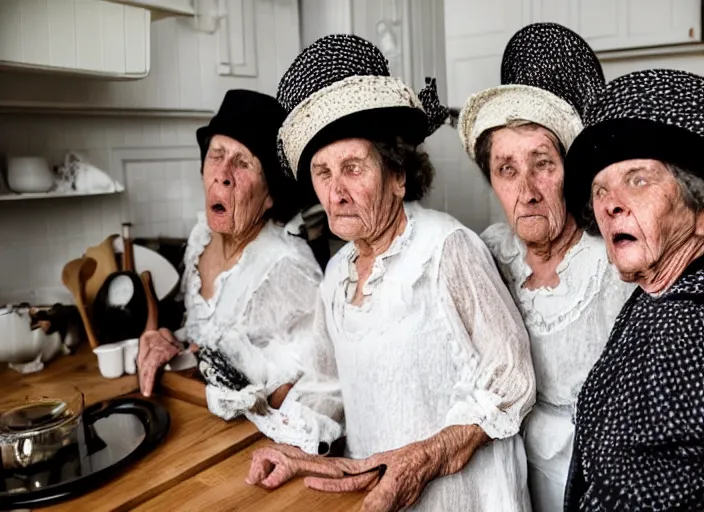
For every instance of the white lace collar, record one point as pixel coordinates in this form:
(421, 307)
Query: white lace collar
(581, 272)
(379, 266)
(198, 241)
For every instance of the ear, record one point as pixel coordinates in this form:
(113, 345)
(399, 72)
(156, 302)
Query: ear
(268, 202)
(699, 224)
(399, 186)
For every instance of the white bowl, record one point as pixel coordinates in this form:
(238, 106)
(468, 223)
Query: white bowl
(21, 344)
(29, 174)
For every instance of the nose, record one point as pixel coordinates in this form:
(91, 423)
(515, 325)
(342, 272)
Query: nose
(338, 192)
(529, 192)
(613, 204)
(223, 176)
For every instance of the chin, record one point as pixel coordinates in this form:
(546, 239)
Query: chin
(532, 237)
(346, 232)
(629, 261)
(628, 269)
(219, 225)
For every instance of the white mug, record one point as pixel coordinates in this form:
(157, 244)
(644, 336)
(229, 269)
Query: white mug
(130, 349)
(110, 360)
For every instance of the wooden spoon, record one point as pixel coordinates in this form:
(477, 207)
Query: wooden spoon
(74, 276)
(128, 254)
(106, 264)
(152, 304)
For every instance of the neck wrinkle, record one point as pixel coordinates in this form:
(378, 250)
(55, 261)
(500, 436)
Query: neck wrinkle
(670, 267)
(394, 227)
(232, 246)
(555, 250)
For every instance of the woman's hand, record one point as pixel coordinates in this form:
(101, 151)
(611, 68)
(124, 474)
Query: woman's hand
(274, 466)
(397, 478)
(156, 348)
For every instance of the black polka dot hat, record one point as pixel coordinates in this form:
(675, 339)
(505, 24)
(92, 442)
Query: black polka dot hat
(340, 87)
(653, 114)
(548, 75)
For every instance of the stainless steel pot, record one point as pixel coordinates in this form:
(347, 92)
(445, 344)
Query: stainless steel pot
(34, 429)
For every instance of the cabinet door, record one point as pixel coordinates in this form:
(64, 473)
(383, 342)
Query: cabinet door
(183, 77)
(625, 24)
(476, 33)
(557, 11)
(85, 37)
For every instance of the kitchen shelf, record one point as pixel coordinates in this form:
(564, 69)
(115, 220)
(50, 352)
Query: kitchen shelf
(162, 8)
(5, 196)
(39, 108)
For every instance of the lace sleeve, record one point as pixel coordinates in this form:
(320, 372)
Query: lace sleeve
(498, 388)
(293, 339)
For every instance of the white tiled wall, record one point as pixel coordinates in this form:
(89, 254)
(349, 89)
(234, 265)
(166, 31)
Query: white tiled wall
(155, 158)
(37, 237)
(163, 198)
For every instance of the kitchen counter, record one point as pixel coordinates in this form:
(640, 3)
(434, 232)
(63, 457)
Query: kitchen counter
(201, 465)
(222, 488)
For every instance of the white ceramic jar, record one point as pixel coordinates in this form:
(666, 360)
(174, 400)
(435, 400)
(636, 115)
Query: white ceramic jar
(29, 174)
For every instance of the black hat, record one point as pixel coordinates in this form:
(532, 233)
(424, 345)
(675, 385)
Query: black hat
(340, 87)
(548, 75)
(654, 114)
(254, 119)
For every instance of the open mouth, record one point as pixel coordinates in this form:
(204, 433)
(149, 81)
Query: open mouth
(218, 208)
(620, 239)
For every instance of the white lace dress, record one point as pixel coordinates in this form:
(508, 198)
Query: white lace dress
(437, 342)
(569, 326)
(261, 317)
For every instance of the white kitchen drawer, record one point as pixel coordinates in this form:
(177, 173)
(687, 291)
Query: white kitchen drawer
(85, 37)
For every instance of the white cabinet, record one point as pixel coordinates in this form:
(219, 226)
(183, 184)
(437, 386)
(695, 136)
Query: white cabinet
(162, 8)
(88, 37)
(476, 33)
(626, 24)
(185, 79)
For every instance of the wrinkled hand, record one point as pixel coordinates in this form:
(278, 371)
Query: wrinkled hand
(394, 479)
(156, 348)
(274, 466)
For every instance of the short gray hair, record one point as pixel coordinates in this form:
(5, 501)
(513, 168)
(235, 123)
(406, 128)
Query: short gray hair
(691, 187)
(691, 191)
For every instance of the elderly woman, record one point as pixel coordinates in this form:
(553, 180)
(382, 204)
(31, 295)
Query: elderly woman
(250, 287)
(432, 356)
(640, 417)
(568, 294)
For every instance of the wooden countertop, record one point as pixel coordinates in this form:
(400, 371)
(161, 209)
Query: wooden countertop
(196, 441)
(202, 463)
(222, 488)
(80, 369)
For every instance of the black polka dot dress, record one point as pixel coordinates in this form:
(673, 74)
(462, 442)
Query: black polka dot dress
(639, 441)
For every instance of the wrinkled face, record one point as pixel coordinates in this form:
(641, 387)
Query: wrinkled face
(527, 175)
(236, 195)
(358, 197)
(641, 214)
